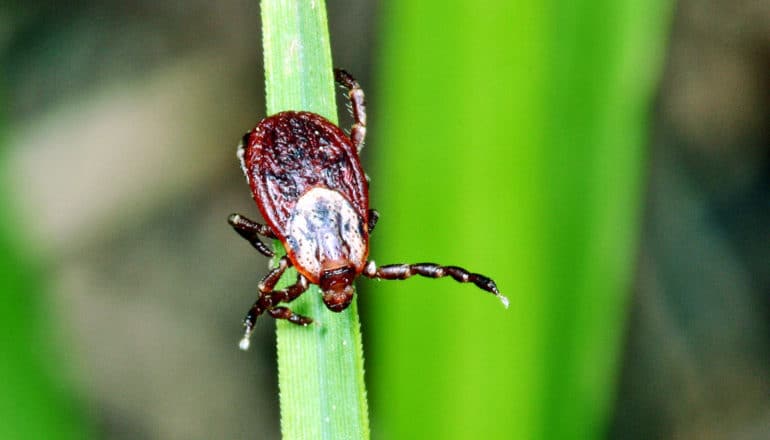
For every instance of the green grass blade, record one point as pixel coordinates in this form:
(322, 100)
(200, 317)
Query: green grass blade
(320, 368)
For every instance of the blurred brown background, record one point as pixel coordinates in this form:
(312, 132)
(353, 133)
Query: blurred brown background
(696, 362)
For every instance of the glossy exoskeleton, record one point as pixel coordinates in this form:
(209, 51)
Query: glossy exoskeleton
(306, 178)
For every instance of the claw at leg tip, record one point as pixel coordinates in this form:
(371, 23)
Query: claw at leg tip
(244, 344)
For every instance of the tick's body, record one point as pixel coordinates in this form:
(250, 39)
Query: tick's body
(306, 178)
(309, 186)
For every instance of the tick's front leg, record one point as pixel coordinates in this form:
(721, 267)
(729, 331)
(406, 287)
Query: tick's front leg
(269, 298)
(432, 270)
(287, 314)
(263, 302)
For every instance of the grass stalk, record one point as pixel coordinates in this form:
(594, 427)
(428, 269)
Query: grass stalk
(320, 367)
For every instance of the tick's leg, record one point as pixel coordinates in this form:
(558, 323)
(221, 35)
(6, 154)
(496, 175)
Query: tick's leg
(287, 295)
(432, 270)
(357, 106)
(287, 314)
(251, 232)
(290, 293)
(267, 284)
(264, 302)
(373, 217)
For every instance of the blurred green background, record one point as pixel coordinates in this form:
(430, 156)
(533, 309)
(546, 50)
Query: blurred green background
(606, 162)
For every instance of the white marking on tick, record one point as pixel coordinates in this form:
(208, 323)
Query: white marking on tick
(325, 231)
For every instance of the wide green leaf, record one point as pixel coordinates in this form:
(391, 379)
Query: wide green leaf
(509, 139)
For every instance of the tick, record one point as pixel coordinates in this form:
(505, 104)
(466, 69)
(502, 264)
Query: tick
(306, 178)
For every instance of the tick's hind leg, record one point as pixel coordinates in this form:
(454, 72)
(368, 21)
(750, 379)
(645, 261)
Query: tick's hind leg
(432, 270)
(251, 231)
(373, 217)
(357, 106)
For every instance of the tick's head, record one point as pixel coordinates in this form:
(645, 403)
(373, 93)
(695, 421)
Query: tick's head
(337, 287)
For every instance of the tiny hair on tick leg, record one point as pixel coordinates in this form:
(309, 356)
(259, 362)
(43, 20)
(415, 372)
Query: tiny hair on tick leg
(306, 178)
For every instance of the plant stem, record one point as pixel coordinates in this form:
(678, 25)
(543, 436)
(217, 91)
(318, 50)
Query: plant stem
(320, 367)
